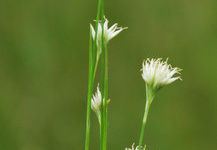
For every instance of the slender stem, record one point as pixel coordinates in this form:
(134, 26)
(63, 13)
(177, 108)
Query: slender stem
(92, 70)
(104, 79)
(102, 104)
(106, 98)
(144, 123)
(96, 30)
(90, 89)
(149, 98)
(95, 68)
(102, 85)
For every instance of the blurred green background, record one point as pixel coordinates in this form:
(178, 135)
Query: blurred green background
(44, 74)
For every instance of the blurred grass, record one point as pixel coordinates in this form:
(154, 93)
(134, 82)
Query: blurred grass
(44, 72)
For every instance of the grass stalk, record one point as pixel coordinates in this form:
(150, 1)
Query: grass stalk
(102, 104)
(92, 72)
(95, 68)
(96, 30)
(149, 98)
(106, 98)
(102, 89)
(104, 82)
(90, 89)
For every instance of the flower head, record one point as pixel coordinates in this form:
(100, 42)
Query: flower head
(137, 148)
(109, 33)
(96, 102)
(158, 73)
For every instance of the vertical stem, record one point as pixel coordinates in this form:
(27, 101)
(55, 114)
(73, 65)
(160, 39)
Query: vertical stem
(149, 97)
(144, 123)
(92, 70)
(95, 68)
(102, 85)
(102, 95)
(90, 89)
(104, 78)
(103, 108)
(96, 30)
(106, 97)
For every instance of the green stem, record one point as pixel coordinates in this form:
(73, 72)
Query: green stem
(149, 98)
(92, 72)
(96, 65)
(102, 95)
(102, 88)
(96, 30)
(90, 89)
(106, 98)
(104, 81)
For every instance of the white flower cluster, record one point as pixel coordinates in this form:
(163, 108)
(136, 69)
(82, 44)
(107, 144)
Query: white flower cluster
(137, 148)
(96, 102)
(158, 73)
(109, 33)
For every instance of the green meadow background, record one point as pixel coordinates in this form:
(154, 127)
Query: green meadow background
(44, 74)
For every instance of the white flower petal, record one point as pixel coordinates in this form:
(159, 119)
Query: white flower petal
(99, 31)
(93, 31)
(114, 34)
(106, 25)
(113, 27)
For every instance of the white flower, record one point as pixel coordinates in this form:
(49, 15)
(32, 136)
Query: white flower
(96, 102)
(109, 33)
(137, 148)
(158, 73)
